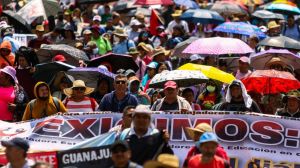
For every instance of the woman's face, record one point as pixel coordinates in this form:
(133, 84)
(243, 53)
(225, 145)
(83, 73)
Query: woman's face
(23, 62)
(103, 87)
(151, 72)
(162, 68)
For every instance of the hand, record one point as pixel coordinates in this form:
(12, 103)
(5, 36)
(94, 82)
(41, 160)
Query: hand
(166, 136)
(11, 107)
(82, 64)
(32, 70)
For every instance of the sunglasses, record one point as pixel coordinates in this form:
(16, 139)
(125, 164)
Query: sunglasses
(5, 50)
(120, 82)
(79, 89)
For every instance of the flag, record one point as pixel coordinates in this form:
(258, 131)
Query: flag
(155, 21)
(32, 10)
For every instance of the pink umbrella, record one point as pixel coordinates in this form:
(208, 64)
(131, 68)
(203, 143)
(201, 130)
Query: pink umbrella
(153, 2)
(218, 46)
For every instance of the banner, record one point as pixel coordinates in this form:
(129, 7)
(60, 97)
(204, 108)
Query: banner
(266, 140)
(88, 157)
(24, 39)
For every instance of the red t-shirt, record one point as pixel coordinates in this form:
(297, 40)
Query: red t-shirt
(195, 162)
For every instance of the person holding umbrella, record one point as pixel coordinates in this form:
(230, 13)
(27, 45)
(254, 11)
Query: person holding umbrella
(37, 42)
(177, 21)
(244, 68)
(291, 105)
(291, 29)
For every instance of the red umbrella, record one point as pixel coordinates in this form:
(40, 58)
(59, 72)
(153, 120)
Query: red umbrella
(153, 2)
(270, 82)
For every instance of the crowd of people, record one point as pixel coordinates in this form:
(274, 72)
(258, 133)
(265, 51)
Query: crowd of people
(98, 30)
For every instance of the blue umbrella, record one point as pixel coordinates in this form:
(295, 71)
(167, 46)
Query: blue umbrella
(202, 16)
(188, 3)
(284, 8)
(240, 28)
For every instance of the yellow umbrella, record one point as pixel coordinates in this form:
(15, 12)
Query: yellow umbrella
(210, 72)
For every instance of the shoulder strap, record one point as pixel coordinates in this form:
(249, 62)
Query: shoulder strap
(127, 44)
(93, 104)
(56, 103)
(31, 104)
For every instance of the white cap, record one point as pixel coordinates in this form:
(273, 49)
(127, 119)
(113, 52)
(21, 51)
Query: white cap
(195, 57)
(135, 22)
(97, 17)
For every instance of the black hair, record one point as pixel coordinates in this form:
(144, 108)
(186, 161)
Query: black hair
(180, 28)
(127, 108)
(186, 90)
(161, 64)
(141, 35)
(29, 54)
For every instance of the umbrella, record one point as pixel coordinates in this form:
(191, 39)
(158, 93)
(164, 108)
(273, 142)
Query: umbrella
(240, 28)
(46, 71)
(183, 78)
(182, 45)
(94, 1)
(218, 46)
(153, 2)
(187, 3)
(270, 82)
(73, 55)
(17, 21)
(210, 72)
(202, 16)
(37, 8)
(145, 11)
(124, 6)
(91, 75)
(227, 7)
(284, 9)
(259, 60)
(280, 42)
(115, 62)
(264, 14)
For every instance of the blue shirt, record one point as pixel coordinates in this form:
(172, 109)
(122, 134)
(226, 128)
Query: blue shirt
(110, 102)
(122, 48)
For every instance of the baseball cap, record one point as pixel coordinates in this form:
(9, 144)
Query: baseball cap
(59, 58)
(208, 137)
(245, 59)
(119, 146)
(16, 142)
(195, 57)
(97, 18)
(170, 84)
(87, 31)
(40, 28)
(135, 22)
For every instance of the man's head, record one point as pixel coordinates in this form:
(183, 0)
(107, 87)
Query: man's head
(127, 116)
(244, 64)
(15, 149)
(236, 90)
(87, 35)
(39, 31)
(208, 144)
(291, 21)
(141, 118)
(170, 90)
(120, 83)
(188, 94)
(253, 41)
(95, 31)
(292, 100)
(134, 84)
(121, 153)
(135, 25)
(97, 20)
(275, 63)
(42, 91)
(273, 29)
(176, 15)
(79, 90)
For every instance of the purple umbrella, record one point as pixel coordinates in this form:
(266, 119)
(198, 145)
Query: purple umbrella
(114, 62)
(91, 75)
(218, 46)
(259, 60)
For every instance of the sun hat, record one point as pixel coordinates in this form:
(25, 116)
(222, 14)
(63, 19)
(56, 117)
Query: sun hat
(40, 28)
(9, 70)
(291, 94)
(78, 84)
(160, 50)
(272, 25)
(170, 84)
(145, 47)
(135, 22)
(142, 109)
(177, 13)
(202, 127)
(120, 32)
(163, 160)
(16, 142)
(245, 59)
(207, 137)
(133, 51)
(275, 60)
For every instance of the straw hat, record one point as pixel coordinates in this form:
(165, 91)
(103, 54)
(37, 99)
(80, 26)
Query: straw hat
(78, 84)
(201, 128)
(145, 47)
(177, 13)
(291, 94)
(163, 160)
(133, 51)
(40, 28)
(275, 60)
(272, 25)
(120, 32)
(160, 50)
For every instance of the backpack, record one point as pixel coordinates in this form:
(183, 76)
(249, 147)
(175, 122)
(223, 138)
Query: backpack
(93, 103)
(56, 103)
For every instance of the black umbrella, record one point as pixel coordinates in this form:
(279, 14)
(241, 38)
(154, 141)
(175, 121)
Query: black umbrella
(72, 55)
(114, 62)
(124, 6)
(280, 42)
(46, 71)
(20, 24)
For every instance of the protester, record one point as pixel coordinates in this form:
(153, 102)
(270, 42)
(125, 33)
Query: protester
(208, 144)
(171, 101)
(16, 153)
(135, 89)
(121, 155)
(7, 58)
(119, 96)
(44, 105)
(77, 98)
(7, 35)
(163, 161)
(13, 97)
(61, 81)
(103, 44)
(291, 29)
(273, 29)
(103, 88)
(188, 94)
(121, 42)
(176, 16)
(133, 34)
(126, 120)
(244, 68)
(150, 72)
(145, 52)
(291, 105)
(197, 59)
(237, 99)
(210, 96)
(142, 66)
(144, 140)
(195, 134)
(275, 63)
(37, 42)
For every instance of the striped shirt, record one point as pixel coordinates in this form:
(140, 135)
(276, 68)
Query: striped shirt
(83, 106)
